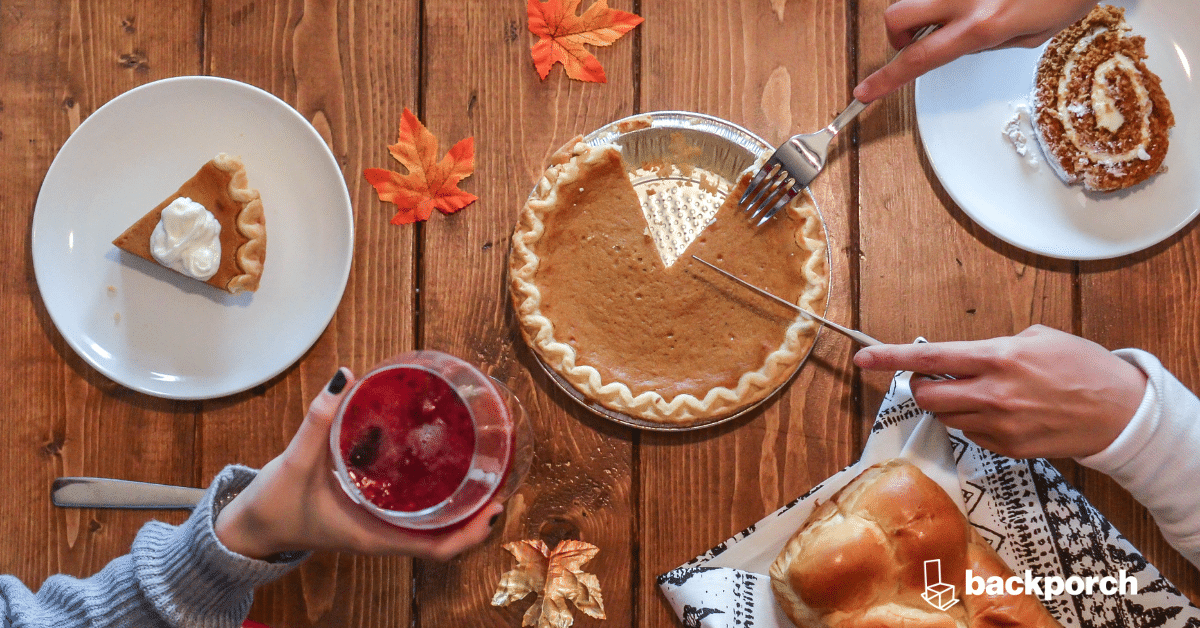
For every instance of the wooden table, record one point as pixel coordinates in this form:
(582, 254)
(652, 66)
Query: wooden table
(650, 501)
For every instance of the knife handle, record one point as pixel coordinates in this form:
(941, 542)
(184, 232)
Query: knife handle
(81, 492)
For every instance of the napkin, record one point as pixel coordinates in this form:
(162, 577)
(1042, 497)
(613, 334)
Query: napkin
(1032, 517)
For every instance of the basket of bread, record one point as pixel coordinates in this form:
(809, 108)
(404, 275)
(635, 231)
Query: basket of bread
(928, 530)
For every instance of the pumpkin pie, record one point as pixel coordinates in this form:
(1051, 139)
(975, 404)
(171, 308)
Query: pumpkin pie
(237, 252)
(673, 345)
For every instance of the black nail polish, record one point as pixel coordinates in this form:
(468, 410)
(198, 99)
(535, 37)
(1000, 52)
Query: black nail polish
(337, 383)
(493, 520)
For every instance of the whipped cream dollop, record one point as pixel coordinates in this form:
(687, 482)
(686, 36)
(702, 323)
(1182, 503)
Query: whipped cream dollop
(187, 239)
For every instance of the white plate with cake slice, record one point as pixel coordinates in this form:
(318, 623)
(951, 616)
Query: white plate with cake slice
(964, 107)
(154, 330)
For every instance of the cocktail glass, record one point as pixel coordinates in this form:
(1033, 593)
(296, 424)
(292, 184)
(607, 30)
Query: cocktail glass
(425, 441)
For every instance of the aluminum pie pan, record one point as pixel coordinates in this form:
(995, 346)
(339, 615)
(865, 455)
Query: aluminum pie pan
(718, 147)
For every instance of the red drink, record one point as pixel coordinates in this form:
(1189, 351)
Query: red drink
(425, 441)
(407, 439)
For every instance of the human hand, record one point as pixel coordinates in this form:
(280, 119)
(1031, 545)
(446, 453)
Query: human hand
(296, 503)
(1041, 393)
(967, 26)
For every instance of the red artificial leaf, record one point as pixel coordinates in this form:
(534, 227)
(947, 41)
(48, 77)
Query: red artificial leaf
(428, 183)
(562, 35)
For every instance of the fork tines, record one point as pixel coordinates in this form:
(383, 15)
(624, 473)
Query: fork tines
(771, 189)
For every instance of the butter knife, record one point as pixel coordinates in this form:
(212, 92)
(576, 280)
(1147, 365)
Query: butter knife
(80, 492)
(853, 334)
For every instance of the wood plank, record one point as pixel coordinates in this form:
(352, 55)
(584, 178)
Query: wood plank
(777, 69)
(349, 69)
(62, 61)
(1146, 300)
(480, 82)
(927, 269)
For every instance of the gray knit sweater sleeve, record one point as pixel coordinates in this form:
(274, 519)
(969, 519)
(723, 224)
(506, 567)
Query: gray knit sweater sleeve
(174, 576)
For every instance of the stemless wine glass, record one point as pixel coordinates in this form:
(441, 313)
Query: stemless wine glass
(425, 441)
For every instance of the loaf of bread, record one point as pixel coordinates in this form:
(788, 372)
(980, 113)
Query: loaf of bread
(1100, 115)
(892, 549)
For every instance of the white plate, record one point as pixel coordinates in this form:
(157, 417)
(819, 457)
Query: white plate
(147, 327)
(961, 112)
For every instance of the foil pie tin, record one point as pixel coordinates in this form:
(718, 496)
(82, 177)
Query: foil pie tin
(684, 166)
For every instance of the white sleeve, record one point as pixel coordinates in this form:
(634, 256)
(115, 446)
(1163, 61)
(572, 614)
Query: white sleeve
(1157, 456)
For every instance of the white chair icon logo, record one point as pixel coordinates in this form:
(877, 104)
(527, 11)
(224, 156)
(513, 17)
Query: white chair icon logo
(939, 594)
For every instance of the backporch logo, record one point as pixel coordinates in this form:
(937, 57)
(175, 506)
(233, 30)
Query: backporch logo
(942, 596)
(1050, 586)
(939, 594)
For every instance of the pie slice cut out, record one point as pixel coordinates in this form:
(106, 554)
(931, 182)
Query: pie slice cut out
(669, 344)
(678, 202)
(221, 187)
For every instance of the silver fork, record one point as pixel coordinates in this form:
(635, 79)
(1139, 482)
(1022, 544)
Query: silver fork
(798, 161)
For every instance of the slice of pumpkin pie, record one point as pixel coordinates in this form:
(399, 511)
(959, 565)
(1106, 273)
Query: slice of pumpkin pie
(212, 229)
(673, 344)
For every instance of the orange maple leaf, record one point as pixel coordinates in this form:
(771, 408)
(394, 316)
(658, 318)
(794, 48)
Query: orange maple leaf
(429, 183)
(562, 35)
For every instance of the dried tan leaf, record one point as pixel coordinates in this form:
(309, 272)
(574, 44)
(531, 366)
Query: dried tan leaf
(533, 614)
(529, 576)
(558, 575)
(591, 601)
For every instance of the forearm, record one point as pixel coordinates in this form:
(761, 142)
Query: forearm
(173, 576)
(1156, 456)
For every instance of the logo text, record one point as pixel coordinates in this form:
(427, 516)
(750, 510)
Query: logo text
(1051, 586)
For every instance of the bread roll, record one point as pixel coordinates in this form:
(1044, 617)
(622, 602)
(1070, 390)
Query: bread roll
(859, 561)
(1003, 610)
(1099, 113)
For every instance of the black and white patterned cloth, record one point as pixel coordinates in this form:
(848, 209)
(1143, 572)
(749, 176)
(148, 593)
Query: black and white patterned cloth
(1033, 518)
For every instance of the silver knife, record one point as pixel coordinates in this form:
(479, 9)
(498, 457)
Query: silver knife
(76, 492)
(853, 334)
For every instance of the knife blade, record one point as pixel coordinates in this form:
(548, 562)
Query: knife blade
(83, 492)
(853, 334)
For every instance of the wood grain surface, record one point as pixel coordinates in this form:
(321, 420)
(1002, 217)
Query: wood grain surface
(905, 262)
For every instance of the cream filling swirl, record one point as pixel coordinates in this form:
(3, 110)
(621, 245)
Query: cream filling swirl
(187, 239)
(1103, 102)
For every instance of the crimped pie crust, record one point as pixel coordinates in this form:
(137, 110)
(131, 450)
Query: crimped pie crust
(251, 223)
(560, 181)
